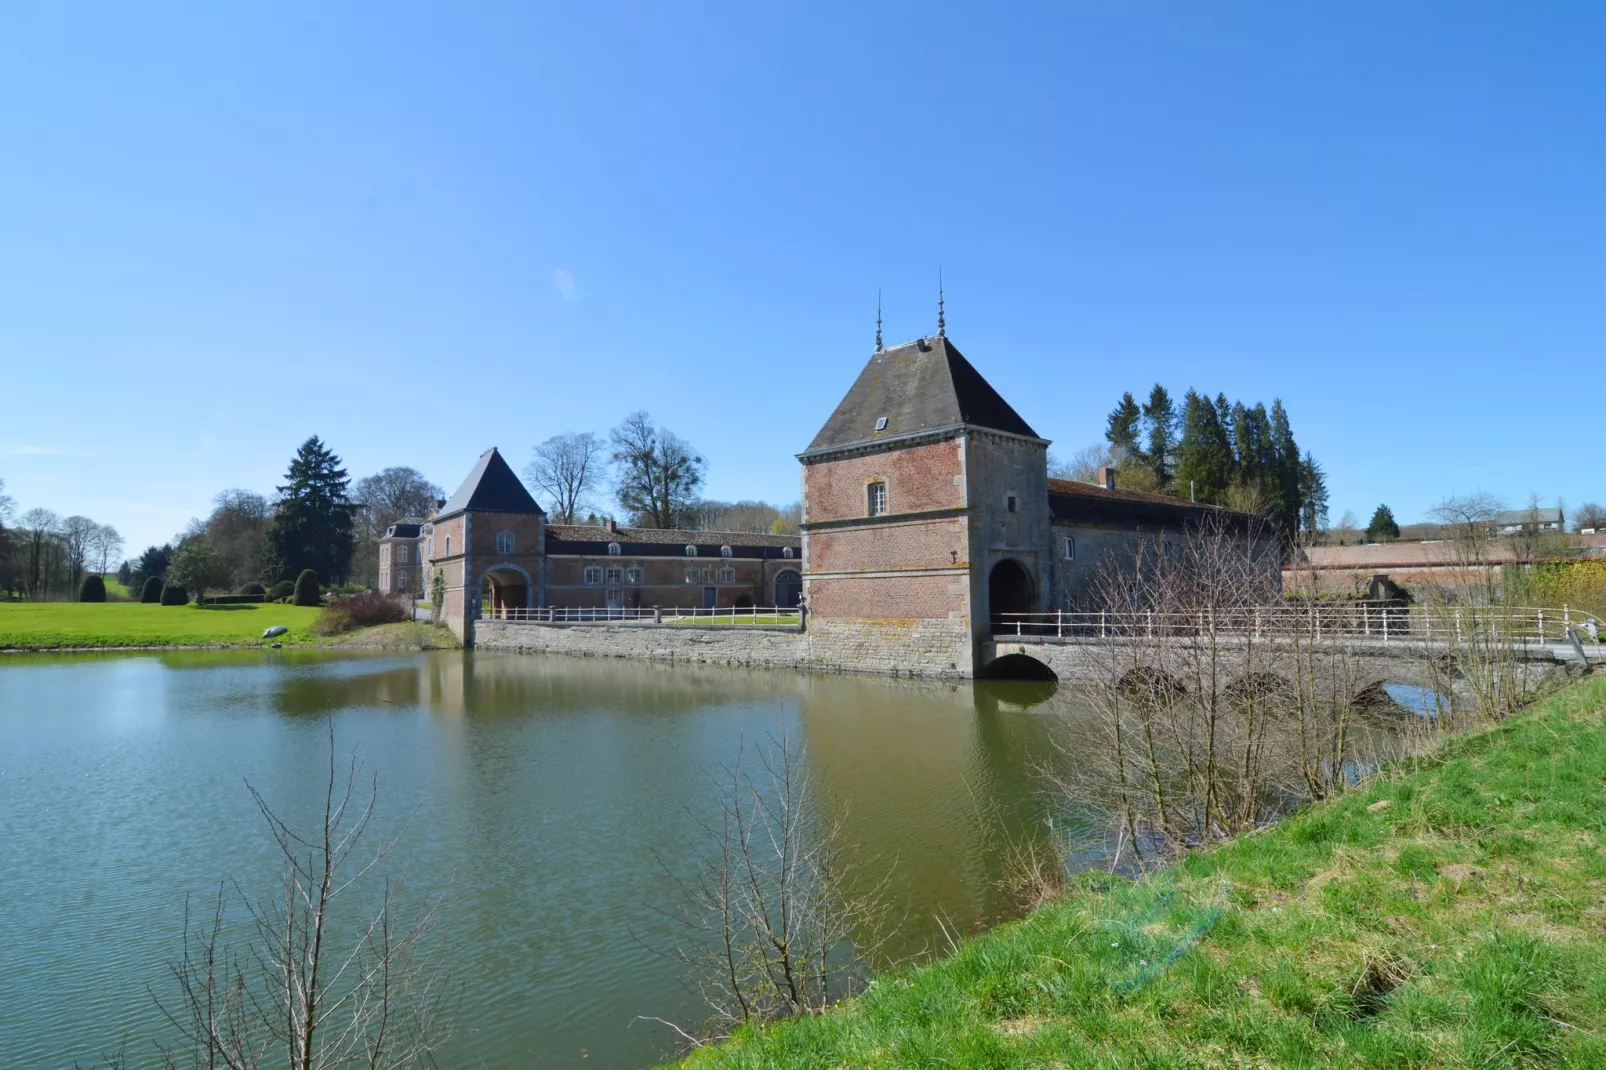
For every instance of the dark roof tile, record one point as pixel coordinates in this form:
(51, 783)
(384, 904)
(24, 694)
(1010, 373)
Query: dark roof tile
(668, 536)
(491, 487)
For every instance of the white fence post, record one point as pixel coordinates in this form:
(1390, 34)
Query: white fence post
(1103, 631)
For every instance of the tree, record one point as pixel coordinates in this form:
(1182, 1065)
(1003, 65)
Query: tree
(125, 574)
(1312, 495)
(152, 563)
(106, 544)
(658, 472)
(77, 533)
(93, 589)
(38, 528)
(566, 469)
(1285, 473)
(312, 525)
(1160, 423)
(1121, 427)
(1083, 465)
(238, 530)
(1590, 515)
(8, 504)
(1383, 527)
(150, 592)
(174, 594)
(382, 499)
(1204, 460)
(198, 567)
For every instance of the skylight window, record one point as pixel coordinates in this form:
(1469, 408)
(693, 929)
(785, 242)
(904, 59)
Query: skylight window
(881, 423)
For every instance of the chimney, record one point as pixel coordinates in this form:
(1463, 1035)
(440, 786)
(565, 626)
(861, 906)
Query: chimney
(1107, 477)
(612, 525)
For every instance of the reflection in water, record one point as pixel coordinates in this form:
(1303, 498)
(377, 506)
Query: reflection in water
(542, 794)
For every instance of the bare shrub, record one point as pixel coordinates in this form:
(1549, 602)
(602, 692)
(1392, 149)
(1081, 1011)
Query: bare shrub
(360, 611)
(294, 995)
(771, 926)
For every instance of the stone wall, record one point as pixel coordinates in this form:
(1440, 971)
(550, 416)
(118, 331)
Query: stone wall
(894, 647)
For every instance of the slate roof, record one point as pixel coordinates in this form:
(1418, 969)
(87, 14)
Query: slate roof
(668, 536)
(1069, 499)
(491, 487)
(918, 386)
(404, 529)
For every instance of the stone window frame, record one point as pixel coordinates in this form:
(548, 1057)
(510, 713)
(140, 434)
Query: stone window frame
(401, 554)
(691, 551)
(613, 576)
(875, 504)
(786, 552)
(613, 549)
(693, 575)
(1067, 547)
(384, 553)
(592, 576)
(727, 575)
(635, 574)
(724, 551)
(504, 542)
(710, 576)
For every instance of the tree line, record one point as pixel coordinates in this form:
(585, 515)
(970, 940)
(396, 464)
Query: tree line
(46, 556)
(1224, 453)
(650, 473)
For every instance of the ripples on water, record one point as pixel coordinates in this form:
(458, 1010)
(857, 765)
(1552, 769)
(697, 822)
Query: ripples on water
(536, 792)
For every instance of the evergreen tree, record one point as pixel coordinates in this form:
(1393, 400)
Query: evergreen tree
(1382, 528)
(93, 589)
(1224, 418)
(1121, 429)
(1204, 456)
(312, 524)
(1312, 495)
(1284, 482)
(1160, 424)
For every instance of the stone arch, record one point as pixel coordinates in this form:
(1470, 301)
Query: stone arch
(503, 587)
(1009, 591)
(788, 588)
(1018, 667)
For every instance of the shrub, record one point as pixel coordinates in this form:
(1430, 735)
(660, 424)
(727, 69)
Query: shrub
(281, 590)
(230, 600)
(174, 595)
(306, 593)
(93, 589)
(253, 588)
(360, 611)
(151, 593)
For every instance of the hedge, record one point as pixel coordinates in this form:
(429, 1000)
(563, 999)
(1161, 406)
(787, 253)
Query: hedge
(306, 593)
(151, 593)
(174, 595)
(93, 589)
(232, 599)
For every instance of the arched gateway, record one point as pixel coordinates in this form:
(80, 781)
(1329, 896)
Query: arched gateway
(1009, 593)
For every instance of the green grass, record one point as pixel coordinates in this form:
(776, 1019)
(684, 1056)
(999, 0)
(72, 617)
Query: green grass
(53, 625)
(1460, 923)
(115, 589)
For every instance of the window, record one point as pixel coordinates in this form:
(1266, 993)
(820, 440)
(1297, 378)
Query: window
(401, 581)
(614, 576)
(877, 498)
(593, 574)
(448, 546)
(692, 575)
(708, 575)
(1009, 503)
(786, 551)
(724, 551)
(727, 575)
(1068, 548)
(691, 551)
(504, 542)
(633, 575)
(613, 549)
(384, 554)
(401, 555)
(881, 423)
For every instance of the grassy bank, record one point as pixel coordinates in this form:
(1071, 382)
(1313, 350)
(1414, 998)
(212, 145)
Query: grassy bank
(55, 625)
(1451, 915)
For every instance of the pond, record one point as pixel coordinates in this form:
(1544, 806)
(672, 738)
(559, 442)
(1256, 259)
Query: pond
(548, 802)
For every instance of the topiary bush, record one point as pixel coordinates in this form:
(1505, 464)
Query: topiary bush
(253, 588)
(306, 593)
(174, 595)
(360, 611)
(93, 589)
(281, 590)
(151, 593)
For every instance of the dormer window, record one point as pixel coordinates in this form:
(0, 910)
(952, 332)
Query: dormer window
(691, 551)
(504, 542)
(876, 495)
(613, 549)
(881, 423)
(786, 551)
(724, 551)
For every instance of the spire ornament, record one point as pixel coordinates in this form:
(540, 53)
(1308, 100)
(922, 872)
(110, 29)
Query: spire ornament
(942, 329)
(878, 345)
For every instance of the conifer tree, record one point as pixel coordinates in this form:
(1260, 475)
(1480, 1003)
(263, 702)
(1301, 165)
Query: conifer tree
(1121, 428)
(1284, 482)
(312, 524)
(1383, 526)
(1160, 425)
(1312, 495)
(1204, 456)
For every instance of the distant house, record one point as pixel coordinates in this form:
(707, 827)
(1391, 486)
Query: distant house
(1514, 520)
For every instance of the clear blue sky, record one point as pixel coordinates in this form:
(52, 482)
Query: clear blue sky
(419, 230)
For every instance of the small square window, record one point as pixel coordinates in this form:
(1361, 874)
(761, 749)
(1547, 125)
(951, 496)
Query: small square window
(881, 423)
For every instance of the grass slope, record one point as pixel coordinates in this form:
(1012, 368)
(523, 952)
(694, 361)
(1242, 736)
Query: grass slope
(53, 625)
(1450, 916)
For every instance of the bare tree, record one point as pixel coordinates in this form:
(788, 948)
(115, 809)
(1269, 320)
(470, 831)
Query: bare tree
(566, 469)
(39, 527)
(8, 504)
(1590, 516)
(1083, 465)
(770, 926)
(107, 545)
(382, 499)
(78, 533)
(295, 996)
(658, 472)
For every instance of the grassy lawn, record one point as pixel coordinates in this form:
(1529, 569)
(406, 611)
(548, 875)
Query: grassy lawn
(1453, 915)
(115, 589)
(48, 625)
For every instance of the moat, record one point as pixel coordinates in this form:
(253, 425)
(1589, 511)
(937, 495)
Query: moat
(540, 793)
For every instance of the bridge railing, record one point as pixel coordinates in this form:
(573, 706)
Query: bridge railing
(1388, 624)
(726, 616)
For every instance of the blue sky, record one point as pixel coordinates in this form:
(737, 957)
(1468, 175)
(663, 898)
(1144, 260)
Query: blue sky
(419, 230)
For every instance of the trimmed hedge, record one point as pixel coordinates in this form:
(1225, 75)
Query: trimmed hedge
(306, 593)
(281, 590)
(232, 599)
(174, 595)
(253, 588)
(93, 589)
(151, 593)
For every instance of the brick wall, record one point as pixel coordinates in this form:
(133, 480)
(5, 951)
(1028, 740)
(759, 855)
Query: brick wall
(918, 597)
(663, 580)
(921, 477)
(938, 543)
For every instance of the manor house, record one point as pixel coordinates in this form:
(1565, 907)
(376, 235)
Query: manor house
(927, 512)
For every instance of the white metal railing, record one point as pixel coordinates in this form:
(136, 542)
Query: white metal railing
(1388, 624)
(725, 616)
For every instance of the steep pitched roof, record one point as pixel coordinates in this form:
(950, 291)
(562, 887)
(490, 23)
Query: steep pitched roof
(490, 487)
(918, 386)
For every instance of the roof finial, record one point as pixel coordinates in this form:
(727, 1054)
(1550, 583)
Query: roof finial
(942, 330)
(878, 346)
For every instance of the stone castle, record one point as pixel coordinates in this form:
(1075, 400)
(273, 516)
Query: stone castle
(928, 518)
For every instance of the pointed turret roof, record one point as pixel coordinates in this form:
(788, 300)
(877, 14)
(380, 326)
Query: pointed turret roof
(925, 385)
(491, 487)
